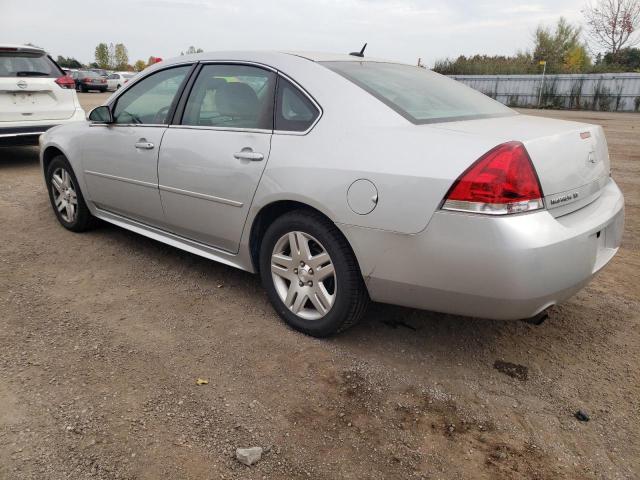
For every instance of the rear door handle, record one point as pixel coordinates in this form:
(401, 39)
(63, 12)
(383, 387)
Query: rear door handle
(144, 145)
(249, 154)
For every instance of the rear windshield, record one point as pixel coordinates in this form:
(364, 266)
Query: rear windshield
(419, 95)
(90, 74)
(28, 64)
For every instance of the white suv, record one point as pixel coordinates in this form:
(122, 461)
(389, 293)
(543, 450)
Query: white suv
(35, 95)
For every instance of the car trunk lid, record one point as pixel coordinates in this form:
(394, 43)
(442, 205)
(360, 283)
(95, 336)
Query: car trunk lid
(29, 98)
(570, 158)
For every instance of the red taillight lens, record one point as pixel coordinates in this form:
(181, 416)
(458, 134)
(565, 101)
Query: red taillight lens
(502, 181)
(66, 82)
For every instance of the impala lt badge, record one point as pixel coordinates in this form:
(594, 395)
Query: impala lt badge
(565, 198)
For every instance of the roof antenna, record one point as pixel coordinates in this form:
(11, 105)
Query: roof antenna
(360, 53)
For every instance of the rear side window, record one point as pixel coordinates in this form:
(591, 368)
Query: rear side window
(231, 96)
(28, 64)
(294, 111)
(419, 95)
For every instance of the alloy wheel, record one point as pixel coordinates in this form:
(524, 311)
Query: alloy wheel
(64, 195)
(303, 275)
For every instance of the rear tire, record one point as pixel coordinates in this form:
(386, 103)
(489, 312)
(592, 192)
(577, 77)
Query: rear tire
(66, 198)
(320, 292)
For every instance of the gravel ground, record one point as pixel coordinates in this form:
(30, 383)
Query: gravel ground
(103, 336)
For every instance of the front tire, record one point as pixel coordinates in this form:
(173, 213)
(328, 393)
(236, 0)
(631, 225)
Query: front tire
(311, 275)
(66, 198)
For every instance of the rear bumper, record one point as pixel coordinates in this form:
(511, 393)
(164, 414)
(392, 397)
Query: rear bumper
(18, 136)
(502, 268)
(88, 86)
(27, 133)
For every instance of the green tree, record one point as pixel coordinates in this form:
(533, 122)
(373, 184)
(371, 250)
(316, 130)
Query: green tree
(68, 62)
(121, 57)
(554, 46)
(139, 65)
(102, 55)
(192, 50)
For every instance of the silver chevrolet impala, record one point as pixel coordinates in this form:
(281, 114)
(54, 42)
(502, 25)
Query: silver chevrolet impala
(341, 179)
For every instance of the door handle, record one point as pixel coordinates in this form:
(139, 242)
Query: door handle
(248, 154)
(144, 145)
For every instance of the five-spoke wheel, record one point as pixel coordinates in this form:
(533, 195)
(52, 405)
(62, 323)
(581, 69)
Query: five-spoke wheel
(64, 194)
(66, 197)
(303, 275)
(310, 274)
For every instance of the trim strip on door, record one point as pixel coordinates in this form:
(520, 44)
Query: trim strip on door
(122, 179)
(201, 196)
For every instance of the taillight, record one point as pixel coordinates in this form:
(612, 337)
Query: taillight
(104, 81)
(502, 181)
(66, 82)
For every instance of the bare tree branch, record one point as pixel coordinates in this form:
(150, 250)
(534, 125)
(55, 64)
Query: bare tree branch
(613, 24)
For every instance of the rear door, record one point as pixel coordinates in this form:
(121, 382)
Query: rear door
(28, 88)
(212, 160)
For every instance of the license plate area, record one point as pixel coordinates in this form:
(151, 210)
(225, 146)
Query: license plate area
(25, 98)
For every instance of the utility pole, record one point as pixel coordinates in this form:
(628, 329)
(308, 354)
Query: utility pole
(544, 70)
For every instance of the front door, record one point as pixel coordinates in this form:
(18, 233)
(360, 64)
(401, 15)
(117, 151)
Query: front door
(120, 160)
(211, 162)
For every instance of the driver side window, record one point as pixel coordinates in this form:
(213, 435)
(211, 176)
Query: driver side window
(149, 101)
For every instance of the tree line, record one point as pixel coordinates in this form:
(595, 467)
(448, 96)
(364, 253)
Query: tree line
(114, 57)
(612, 29)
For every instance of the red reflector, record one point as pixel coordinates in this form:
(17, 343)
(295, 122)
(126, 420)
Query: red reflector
(502, 181)
(66, 82)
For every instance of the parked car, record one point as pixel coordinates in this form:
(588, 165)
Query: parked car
(86, 80)
(118, 79)
(341, 179)
(35, 95)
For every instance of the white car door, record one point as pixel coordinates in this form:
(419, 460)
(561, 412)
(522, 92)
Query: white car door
(212, 160)
(120, 159)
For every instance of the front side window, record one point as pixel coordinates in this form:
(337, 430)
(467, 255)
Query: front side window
(231, 96)
(294, 111)
(149, 101)
(419, 95)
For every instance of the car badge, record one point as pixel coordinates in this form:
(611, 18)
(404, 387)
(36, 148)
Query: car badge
(22, 84)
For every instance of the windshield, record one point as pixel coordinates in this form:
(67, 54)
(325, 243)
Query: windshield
(27, 64)
(419, 95)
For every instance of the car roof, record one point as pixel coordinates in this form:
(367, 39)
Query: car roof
(21, 48)
(270, 57)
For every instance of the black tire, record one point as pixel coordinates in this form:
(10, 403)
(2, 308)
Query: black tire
(351, 297)
(83, 219)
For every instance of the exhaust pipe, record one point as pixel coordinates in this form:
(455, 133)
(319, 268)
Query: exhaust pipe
(537, 319)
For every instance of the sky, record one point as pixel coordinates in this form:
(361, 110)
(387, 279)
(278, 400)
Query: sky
(401, 30)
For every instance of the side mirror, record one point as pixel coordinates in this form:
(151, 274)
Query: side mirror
(101, 114)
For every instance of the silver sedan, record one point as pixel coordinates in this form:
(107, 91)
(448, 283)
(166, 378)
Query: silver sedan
(341, 179)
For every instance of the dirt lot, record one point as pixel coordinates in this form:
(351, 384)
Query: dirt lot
(103, 335)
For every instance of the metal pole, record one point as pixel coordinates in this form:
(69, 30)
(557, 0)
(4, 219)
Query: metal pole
(544, 69)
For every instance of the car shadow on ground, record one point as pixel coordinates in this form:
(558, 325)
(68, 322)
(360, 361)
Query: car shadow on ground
(12, 157)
